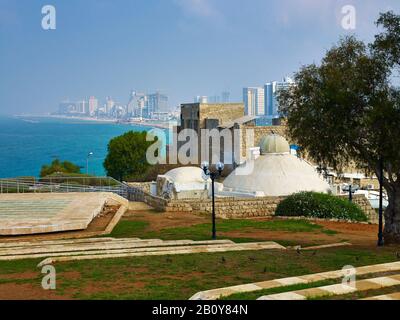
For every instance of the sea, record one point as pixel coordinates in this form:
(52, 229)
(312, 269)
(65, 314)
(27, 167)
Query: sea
(27, 143)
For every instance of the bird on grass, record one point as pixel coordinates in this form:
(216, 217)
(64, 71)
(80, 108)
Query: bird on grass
(298, 250)
(223, 260)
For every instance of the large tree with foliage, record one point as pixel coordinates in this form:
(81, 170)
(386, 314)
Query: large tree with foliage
(59, 167)
(347, 110)
(126, 157)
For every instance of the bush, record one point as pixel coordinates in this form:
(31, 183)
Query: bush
(59, 167)
(319, 205)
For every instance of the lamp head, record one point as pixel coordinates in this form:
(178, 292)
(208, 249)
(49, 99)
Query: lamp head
(205, 166)
(220, 167)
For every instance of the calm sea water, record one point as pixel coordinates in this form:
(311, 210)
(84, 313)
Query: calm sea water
(26, 144)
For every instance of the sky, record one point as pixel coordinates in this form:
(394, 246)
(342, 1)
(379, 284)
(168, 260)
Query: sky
(183, 48)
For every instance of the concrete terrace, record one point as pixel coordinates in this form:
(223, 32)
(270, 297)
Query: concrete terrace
(26, 214)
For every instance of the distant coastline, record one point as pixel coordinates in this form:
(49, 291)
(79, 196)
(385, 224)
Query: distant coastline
(158, 124)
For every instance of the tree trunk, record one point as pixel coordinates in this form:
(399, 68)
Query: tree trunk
(392, 216)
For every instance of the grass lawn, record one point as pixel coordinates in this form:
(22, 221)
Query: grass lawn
(138, 228)
(181, 276)
(178, 277)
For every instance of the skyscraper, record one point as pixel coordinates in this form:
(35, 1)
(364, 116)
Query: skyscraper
(253, 98)
(109, 105)
(93, 105)
(157, 102)
(81, 106)
(271, 94)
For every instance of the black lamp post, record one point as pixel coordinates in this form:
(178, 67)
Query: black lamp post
(380, 234)
(213, 175)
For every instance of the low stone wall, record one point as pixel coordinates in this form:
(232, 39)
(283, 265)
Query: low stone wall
(144, 186)
(363, 202)
(231, 208)
(226, 208)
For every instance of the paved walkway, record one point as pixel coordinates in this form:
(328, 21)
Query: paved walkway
(106, 248)
(392, 296)
(161, 248)
(336, 289)
(251, 287)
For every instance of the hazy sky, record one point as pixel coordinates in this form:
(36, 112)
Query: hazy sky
(181, 47)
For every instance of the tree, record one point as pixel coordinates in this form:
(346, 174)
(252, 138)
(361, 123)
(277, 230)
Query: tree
(126, 157)
(347, 109)
(59, 167)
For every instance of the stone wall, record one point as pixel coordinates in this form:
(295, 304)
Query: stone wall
(259, 133)
(363, 202)
(226, 208)
(231, 208)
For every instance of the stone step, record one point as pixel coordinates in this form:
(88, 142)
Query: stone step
(50, 242)
(336, 289)
(306, 279)
(171, 251)
(39, 252)
(391, 296)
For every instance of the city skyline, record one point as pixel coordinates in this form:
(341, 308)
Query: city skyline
(184, 47)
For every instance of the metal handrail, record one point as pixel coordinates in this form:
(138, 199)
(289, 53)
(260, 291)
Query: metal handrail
(38, 186)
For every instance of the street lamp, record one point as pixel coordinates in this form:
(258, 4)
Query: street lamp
(380, 234)
(87, 162)
(213, 175)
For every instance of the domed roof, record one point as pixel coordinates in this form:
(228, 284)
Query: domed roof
(186, 175)
(274, 143)
(276, 175)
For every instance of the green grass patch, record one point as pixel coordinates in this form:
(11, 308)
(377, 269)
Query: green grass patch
(133, 228)
(181, 276)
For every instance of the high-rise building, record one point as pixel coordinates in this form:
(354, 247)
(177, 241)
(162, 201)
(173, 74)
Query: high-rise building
(271, 93)
(109, 105)
(93, 105)
(136, 105)
(157, 102)
(81, 106)
(253, 98)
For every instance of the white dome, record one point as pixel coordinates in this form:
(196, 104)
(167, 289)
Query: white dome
(186, 175)
(277, 175)
(274, 143)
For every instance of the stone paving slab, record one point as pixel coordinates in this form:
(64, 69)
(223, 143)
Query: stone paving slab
(143, 248)
(327, 246)
(392, 296)
(330, 275)
(174, 251)
(105, 247)
(337, 289)
(36, 213)
(26, 244)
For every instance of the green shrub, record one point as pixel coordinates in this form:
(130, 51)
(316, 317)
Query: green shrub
(319, 205)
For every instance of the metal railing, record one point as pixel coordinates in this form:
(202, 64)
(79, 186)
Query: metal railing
(66, 184)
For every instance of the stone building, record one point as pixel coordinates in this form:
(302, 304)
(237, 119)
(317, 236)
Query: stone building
(227, 119)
